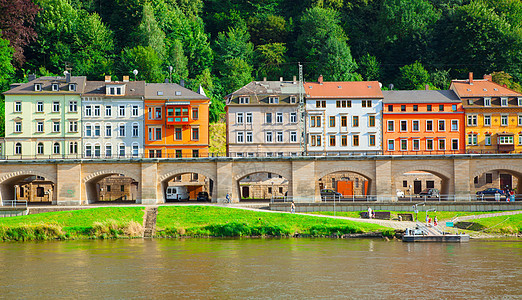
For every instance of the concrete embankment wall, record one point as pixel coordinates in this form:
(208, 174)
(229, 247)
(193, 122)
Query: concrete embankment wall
(396, 206)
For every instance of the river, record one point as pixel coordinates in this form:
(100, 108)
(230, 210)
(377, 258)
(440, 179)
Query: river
(260, 268)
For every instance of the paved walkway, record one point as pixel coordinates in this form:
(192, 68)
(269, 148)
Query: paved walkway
(473, 217)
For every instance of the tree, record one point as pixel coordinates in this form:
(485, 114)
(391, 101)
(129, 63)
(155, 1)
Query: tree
(269, 58)
(413, 77)
(149, 34)
(145, 60)
(16, 21)
(236, 73)
(267, 28)
(370, 68)
(505, 79)
(178, 61)
(441, 79)
(235, 43)
(6, 71)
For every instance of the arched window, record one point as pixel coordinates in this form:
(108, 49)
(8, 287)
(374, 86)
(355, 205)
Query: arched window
(135, 129)
(40, 148)
(97, 149)
(56, 148)
(135, 149)
(88, 150)
(18, 148)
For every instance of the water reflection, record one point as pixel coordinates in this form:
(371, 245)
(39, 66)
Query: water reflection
(258, 268)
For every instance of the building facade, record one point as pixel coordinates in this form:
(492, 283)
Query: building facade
(262, 120)
(343, 117)
(493, 115)
(43, 118)
(112, 118)
(176, 121)
(422, 122)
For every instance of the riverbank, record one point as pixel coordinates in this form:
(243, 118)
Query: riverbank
(177, 221)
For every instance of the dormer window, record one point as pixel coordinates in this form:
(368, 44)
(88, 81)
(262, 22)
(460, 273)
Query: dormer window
(293, 99)
(503, 101)
(178, 93)
(519, 100)
(470, 101)
(37, 87)
(273, 100)
(72, 87)
(160, 93)
(487, 101)
(115, 90)
(54, 87)
(244, 100)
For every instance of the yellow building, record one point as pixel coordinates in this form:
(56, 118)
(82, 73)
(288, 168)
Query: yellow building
(493, 116)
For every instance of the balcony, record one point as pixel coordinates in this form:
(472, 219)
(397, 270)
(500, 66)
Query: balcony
(178, 113)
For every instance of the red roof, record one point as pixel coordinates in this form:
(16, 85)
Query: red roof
(481, 88)
(343, 89)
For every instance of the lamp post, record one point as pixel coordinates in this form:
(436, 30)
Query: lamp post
(170, 68)
(135, 72)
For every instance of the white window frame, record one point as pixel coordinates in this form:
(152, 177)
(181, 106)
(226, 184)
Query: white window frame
(244, 100)
(456, 123)
(438, 144)
(135, 149)
(240, 137)
(401, 144)
(108, 129)
(413, 144)
(96, 110)
(39, 106)
(273, 100)
(88, 150)
(279, 118)
(519, 119)
(248, 118)
(56, 125)
(88, 111)
(269, 137)
(108, 149)
(503, 118)
(293, 99)
(487, 139)
(392, 143)
(249, 137)
(39, 126)
(87, 130)
(56, 106)
(73, 106)
(471, 120)
(108, 110)
(266, 118)
(405, 122)
(488, 122)
(293, 117)
(452, 140)
(519, 101)
(240, 118)
(18, 126)
(56, 148)
(279, 137)
(443, 122)
(40, 148)
(392, 122)
(120, 126)
(504, 101)
(293, 136)
(73, 147)
(122, 146)
(413, 126)
(135, 129)
(472, 139)
(135, 111)
(18, 106)
(121, 111)
(432, 145)
(73, 126)
(487, 102)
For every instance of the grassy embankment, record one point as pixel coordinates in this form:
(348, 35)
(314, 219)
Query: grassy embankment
(174, 221)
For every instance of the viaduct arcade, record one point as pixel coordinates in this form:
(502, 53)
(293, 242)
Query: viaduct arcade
(74, 181)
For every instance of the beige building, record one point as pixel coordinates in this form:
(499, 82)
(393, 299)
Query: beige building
(262, 120)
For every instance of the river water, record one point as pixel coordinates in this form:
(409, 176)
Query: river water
(260, 269)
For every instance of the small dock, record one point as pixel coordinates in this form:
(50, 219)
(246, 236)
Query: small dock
(423, 233)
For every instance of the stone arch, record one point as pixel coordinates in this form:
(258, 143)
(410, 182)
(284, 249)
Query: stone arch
(105, 173)
(346, 169)
(446, 178)
(91, 180)
(13, 175)
(7, 181)
(370, 189)
(164, 179)
(263, 169)
(510, 169)
(285, 174)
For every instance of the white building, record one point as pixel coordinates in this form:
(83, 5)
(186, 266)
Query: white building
(112, 118)
(343, 117)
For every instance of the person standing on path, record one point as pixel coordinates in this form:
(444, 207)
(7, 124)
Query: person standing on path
(292, 208)
(416, 211)
(370, 214)
(227, 198)
(435, 221)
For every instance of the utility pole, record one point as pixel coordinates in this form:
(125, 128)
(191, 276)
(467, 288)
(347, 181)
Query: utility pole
(302, 113)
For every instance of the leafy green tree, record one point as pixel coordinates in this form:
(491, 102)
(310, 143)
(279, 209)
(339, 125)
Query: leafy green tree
(236, 73)
(369, 67)
(7, 71)
(413, 77)
(178, 61)
(145, 60)
(235, 43)
(269, 58)
(505, 79)
(266, 29)
(149, 34)
(441, 79)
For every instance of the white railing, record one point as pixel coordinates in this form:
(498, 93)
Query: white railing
(14, 203)
(394, 198)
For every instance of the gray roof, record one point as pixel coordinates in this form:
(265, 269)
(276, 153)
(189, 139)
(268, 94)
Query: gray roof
(268, 88)
(133, 89)
(420, 96)
(46, 82)
(162, 91)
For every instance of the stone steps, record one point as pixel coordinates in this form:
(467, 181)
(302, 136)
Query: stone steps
(149, 226)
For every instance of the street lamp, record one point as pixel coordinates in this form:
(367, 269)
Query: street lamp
(135, 72)
(170, 68)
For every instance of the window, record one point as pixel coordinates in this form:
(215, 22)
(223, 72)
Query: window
(355, 140)
(403, 107)
(344, 121)
(268, 118)
(489, 178)
(73, 147)
(279, 118)
(40, 148)
(404, 125)
(442, 125)
(96, 110)
(487, 101)
(415, 108)
(519, 100)
(454, 144)
(320, 103)
(135, 149)
(108, 110)
(97, 130)
(273, 100)
(18, 126)
(367, 103)
(505, 140)
(121, 130)
(391, 145)
(121, 111)
(39, 126)
(390, 108)
(155, 113)
(73, 106)
(344, 140)
(429, 144)
(293, 99)
(39, 106)
(279, 136)
(429, 125)
(108, 130)
(18, 107)
(248, 117)
(195, 113)
(135, 109)
(155, 133)
(472, 120)
(249, 137)
(332, 121)
(56, 106)
(372, 140)
(504, 120)
(454, 125)
(442, 144)
(122, 149)
(72, 87)
(315, 140)
(405, 183)
(244, 100)
(503, 101)
(293, 117)
(355, 121)
(18, 148)
(415, 125)
(416, 144)
(54, 87)
(520, 139)
(88, 129)
(428, 107)
(332, 140)
(454, 107)
(195, 133)
(239, 118)
(56, 148)
(391, 126)
(487, 120)
(88, 150)
(293, 136)
(178, 134)
(37, 87)
(404, 145)
(371, 121)
(135, 130)
(472, 139)
(487, 139)
(441, 107)
(88, 111)
(269, 137)
(315, 121)
(195, 153)
(519, 120)
(56, 126)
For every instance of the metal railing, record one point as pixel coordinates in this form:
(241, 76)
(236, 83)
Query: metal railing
(14, 203)
(393, 198)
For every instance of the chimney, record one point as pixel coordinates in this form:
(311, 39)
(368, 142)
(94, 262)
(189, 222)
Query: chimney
(264, 78)
(31, 77)
(294, 79)
(281, 79)
(182, 83)
(108, 78)
(427, 87)
(125, 78)
(488, 77)
(470, 78)
(67, 77)
(320, 79)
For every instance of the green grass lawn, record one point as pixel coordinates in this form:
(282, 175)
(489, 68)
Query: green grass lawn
(221, 221)
(511, 224)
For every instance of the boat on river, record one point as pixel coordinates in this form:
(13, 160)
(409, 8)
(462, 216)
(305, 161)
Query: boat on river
(423, 233)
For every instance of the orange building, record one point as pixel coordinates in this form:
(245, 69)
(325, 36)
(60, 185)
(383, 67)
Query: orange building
(176, 121)
(422, 122)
